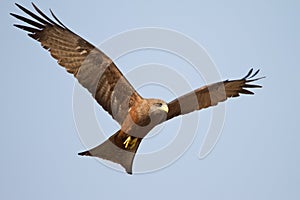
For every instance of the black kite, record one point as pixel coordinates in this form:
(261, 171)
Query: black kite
(97, 73)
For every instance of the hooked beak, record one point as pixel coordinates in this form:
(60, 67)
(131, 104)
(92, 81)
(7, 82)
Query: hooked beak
(165, 108)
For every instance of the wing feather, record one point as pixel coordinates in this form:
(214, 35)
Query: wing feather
(94, 70)
(211, 95)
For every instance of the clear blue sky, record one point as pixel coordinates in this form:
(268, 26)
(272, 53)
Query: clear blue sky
(257, 156)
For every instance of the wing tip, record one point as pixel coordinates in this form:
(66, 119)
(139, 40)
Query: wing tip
(43, 18)
(19, 6)
(250, 75)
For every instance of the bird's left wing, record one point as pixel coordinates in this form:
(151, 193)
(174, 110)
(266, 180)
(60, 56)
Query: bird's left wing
(211, 95)
(94, 70)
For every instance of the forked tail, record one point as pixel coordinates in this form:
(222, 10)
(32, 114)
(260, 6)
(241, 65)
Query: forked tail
(113, 150)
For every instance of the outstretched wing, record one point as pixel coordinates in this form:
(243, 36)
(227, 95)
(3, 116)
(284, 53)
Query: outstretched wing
(211, 95)
(94, 70)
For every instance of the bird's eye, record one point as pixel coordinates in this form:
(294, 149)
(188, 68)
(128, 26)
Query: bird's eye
(159, 104)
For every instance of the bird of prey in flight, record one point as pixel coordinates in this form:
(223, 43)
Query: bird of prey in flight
(96, 72)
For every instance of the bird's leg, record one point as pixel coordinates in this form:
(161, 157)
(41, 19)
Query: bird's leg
(130, 143)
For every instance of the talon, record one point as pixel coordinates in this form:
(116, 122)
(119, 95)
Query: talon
(133, 143)
(127, 141)
(130, 143)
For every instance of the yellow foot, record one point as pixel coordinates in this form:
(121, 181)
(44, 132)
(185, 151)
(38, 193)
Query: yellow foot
(133, 143)
(129, 143)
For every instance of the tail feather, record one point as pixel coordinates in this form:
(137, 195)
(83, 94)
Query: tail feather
(85, 153)
(113, 150)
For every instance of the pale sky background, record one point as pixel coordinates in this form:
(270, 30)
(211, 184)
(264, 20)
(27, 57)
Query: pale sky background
(258, 154)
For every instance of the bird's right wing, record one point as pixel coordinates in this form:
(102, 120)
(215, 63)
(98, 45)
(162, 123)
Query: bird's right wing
(94, 70)
(211, 95)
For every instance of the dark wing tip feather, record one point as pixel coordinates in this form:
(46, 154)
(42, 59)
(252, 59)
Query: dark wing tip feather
(33, 15)
(249, 78)
(42, 20)
(248, 74)
(19, 6)
(256, 79)
(252, 86)
(27, 28)
(53, 15)
(29, 21)
(45, 16)
(244, 91)
(255, 73)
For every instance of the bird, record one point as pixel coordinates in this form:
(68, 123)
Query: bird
(96, 72)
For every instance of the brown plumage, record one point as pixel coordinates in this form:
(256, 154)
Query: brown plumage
(99, 75)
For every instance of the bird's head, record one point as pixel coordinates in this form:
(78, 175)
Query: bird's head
(158, 106)
(158, 110)
(149, 112)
